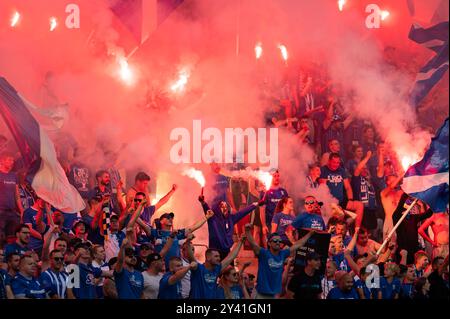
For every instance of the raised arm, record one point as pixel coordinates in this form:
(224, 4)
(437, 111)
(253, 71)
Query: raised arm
(166, 198)
(18, 201)
(380, 166)
(329, 117)
(248, 231)
(168, 244)
(120, 258)
(233, 254)
(362, 163)
(200, 223)
(243, 212)
(191, 256)
(120, 198)
(176, 277)
(301, 242)
(424, 227)
(46, 246)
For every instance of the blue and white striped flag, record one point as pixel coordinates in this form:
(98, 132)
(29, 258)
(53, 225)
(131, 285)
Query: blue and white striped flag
(45, 173)
(427, 180)
(436, 39)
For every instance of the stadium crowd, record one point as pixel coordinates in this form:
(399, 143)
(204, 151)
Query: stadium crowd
(117, 249)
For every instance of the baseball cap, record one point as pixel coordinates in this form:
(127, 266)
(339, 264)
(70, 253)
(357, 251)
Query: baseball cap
(153, 257)
(167, 215)
(114, 216)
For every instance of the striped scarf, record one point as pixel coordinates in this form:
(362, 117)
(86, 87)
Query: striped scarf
(106, 214)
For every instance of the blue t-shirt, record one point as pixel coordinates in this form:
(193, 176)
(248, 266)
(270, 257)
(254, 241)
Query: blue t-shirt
(307, 220)
(29, 217)
(388, 290)
(8, 184)
(27, 287)
(87, 283)
(336, 293)
(273, 196)
(160, 238)
(368, 293)
(283, 221)
(341, 262)
(204, 282)
(167, 291)
(335, 181)
(270, 271)
(15, 248)
(236, 292)
(406, 291)
(129, 284)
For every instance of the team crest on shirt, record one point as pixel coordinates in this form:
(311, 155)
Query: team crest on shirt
(90, 280)
(210, 278)
(273, 264)
(135, 282)
(335, 179)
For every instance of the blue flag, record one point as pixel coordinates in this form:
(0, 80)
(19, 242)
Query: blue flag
(45, 174)
(436, 39)
(427, 180)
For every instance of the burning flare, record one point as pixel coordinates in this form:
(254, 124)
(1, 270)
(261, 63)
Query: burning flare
(265, 178)
(125, 72)
(284, 52)
(407, 161)
(258, 50)
(384, 14)
(180, 84)
(195, 174)
(15, 19)
(341, 4)
(53, 23)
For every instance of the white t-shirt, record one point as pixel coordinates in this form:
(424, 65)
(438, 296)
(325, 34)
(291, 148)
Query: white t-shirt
(186, 282)
(151, 285)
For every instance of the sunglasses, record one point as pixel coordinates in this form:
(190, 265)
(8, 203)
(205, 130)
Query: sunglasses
(137, 200)
(58, 258)
(145, 248)
(276, 241)
(131, 256)
(311, 202)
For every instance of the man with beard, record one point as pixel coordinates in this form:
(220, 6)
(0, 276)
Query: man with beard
(271, 198)
(129, 282)
(54, 279)
(204, 276)
(311, 218)
(335, 176)
(345, 287)
(271, 262)
(20, 247)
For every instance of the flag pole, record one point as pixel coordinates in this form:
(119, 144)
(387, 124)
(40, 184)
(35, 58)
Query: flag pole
(396, 226)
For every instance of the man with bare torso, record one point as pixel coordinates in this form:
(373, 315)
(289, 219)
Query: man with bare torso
(439, 226)
(390, 197)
